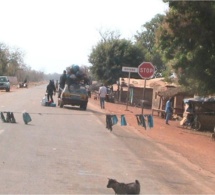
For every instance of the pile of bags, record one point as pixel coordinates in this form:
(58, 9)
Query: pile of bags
(45, 102)
(77, 75)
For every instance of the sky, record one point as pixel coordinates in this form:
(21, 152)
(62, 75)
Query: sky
(54, 34)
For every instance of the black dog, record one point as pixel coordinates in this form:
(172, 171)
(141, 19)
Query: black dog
(122, 188)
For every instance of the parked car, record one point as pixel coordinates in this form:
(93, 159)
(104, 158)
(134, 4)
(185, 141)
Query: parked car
(74, 95)
(4, 83)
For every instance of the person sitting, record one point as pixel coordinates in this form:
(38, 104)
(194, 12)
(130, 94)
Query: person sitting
(187, 113)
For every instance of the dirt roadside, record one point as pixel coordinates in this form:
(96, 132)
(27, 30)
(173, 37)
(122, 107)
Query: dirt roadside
(196, 147)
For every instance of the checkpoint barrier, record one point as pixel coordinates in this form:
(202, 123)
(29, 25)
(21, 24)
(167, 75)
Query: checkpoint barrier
(8, 117)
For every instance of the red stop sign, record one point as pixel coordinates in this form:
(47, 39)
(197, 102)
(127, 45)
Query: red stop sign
(146, 70)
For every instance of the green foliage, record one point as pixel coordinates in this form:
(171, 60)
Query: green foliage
(187, 39)
(110, 55)
(12, 64)
(146, 41)
(10, 60)
(4, 58)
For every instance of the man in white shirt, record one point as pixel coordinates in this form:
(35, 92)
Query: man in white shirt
(102, 95)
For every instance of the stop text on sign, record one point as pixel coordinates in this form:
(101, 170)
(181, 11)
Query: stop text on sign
(146, 70)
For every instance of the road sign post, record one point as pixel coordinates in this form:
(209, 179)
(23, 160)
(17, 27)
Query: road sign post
(129, 70)
(146, 71)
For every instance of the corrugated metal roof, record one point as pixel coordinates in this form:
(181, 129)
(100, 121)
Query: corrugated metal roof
(199, 99)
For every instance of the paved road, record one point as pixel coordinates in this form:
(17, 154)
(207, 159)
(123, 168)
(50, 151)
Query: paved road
(69, 151)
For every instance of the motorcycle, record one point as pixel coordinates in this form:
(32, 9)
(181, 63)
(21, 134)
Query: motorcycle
(23, 85)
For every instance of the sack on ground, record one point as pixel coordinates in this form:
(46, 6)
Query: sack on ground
(44, 100)
(26, 117)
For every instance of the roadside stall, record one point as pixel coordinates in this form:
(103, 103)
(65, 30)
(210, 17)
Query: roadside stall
(202, 112)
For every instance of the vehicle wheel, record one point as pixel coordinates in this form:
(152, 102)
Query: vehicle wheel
(189, 126)
(8, 89)
(61, 104)
(83, 106)
(196, 125)
(184, 126)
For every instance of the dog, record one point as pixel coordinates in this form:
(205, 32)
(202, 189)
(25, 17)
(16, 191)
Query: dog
(213, 136)
(95, 97)
(122, 188)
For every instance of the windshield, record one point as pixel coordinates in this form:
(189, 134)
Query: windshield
(3, 79)
(75, 88)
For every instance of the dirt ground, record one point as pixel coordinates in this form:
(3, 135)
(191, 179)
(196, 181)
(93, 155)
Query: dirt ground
(195, 146)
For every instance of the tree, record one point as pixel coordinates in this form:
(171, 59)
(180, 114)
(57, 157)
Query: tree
(10, 60)
(15, 62)
(110, 55)
(12, 64)
(186, 39)
(146, 41)
(4, 58)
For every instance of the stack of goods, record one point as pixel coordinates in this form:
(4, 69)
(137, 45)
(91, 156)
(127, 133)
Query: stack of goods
(45, 102)
(76, 75)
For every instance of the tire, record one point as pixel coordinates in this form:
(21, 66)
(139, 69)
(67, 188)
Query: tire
(189, 127)
(61, 104)
(196, 125)
(83, 106)
(186, 126)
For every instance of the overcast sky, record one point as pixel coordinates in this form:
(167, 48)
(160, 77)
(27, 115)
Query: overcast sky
(55, 34)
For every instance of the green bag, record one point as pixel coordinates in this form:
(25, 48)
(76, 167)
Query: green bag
(26, 118)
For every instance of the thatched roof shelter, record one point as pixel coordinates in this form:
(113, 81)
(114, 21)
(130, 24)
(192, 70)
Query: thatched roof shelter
(173, 91)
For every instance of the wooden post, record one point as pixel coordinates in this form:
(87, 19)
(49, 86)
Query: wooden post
(143, 95)
(127, 98)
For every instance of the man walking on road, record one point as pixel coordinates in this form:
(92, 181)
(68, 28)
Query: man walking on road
(102, 95)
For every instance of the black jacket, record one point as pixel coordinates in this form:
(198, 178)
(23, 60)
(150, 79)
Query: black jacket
(50, 88)
(63, 81)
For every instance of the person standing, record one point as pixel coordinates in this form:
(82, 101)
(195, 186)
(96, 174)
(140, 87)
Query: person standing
(56, 85)
(63, 78)
(50, 90)
(62, 83)
(102, 95)
(168, 110)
